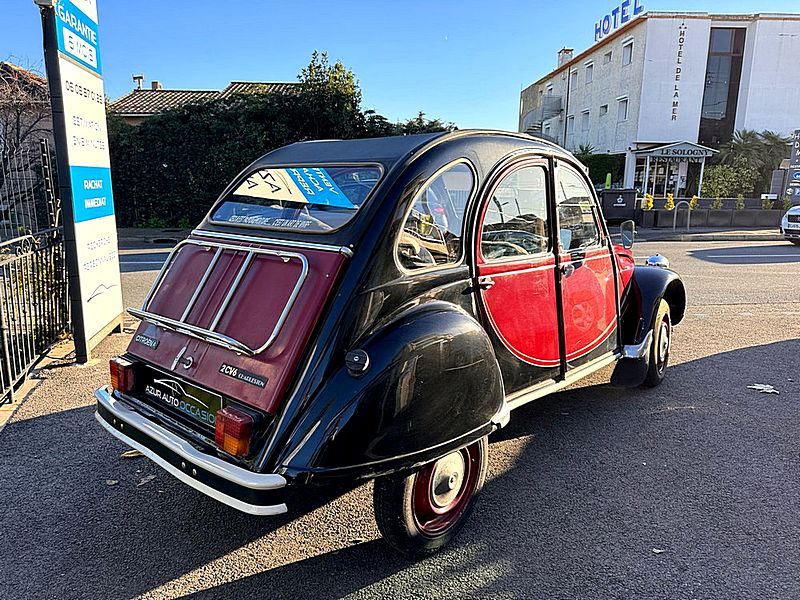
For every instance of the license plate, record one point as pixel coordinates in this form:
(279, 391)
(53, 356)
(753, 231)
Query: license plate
(193, 402)
(793, 226)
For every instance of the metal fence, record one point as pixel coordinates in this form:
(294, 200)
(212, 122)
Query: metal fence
(34, 304)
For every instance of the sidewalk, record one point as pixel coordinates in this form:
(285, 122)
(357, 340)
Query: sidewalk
(708, 234)
(127, 236)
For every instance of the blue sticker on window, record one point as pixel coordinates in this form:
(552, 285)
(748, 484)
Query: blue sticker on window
(318, 187)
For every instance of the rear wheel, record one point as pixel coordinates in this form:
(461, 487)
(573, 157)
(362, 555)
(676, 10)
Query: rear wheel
(421, 513)
(660, 347)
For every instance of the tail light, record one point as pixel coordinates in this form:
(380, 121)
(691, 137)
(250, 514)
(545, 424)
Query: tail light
(123, 374)
(234, 431)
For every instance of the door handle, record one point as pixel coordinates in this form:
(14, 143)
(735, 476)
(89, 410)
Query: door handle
(567, 269)
(485, 282)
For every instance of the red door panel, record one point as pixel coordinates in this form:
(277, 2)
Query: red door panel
(589, 302)
(521, 305)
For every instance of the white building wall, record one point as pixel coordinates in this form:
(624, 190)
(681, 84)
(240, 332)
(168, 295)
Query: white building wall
(610, 82)
(769, 96)
(662, 81)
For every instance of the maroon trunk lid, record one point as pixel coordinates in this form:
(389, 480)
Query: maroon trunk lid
(255, 306)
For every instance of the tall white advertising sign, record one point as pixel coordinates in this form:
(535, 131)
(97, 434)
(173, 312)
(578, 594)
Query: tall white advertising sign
(74, 72)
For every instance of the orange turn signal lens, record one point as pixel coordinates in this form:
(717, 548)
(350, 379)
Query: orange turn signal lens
(233, 431)
(123, 374)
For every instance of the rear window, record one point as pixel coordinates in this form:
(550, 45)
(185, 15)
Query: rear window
(315, 199)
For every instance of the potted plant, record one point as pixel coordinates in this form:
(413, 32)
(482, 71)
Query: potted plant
(645, 217)
(717, 216)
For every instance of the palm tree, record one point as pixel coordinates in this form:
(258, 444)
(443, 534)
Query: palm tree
(584, 152)
(747, 146)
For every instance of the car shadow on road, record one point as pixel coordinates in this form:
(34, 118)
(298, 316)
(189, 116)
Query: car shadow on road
(688, 489)
(749, 255)
(75, 516)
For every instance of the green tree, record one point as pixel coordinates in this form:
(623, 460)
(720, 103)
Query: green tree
(170, 169)
(727, 180)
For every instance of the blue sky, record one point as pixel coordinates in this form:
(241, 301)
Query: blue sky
(462, 61)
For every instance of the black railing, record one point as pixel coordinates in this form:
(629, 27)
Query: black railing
(34, 305)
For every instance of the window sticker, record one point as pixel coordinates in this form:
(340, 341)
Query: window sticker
(306, 185)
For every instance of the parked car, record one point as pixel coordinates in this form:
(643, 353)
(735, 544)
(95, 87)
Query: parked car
(790, 225)
(374, 309)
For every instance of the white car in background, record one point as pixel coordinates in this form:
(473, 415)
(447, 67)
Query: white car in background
(790, 225)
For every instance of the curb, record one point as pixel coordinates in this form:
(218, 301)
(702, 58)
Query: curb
(714, 237)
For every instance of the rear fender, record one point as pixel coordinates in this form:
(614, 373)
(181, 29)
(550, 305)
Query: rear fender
(432, 385)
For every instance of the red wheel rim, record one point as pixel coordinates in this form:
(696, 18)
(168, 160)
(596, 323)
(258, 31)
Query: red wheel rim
(443, 489)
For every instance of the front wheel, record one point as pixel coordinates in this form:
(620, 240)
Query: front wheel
(660, 347)
(421, 513)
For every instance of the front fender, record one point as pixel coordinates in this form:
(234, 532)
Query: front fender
(433, 384)
(640, 303)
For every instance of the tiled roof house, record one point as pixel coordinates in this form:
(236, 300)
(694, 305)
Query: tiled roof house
(141, 103)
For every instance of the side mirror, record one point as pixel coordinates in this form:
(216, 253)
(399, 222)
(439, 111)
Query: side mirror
(627, 232)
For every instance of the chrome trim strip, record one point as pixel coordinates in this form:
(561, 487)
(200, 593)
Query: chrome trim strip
(260, 240)
(638, 350)
(209, 334)
(199, 333)
(232, 473)
(200, 285)
(232, 289)
(548, 387)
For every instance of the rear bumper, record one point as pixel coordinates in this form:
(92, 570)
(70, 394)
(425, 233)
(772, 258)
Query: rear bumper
(253, 493)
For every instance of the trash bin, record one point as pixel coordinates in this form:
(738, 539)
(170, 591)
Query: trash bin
(619, 204)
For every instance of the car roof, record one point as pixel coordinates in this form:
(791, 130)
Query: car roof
(388, 151)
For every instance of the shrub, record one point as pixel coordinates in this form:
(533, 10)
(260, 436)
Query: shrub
(647, 204)
(787, 202)
(717, 203)
(740, 202)
(670, 203)
(693, 203)
(767, 204)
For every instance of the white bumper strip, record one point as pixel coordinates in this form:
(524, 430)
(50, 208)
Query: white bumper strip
(232, 473)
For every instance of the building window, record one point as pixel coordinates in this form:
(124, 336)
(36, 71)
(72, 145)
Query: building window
(603, 109)
(607, 57)
(549, 89)
(622, 109)
(589, 73)
(585, 120)
(570, 124)
(627, 53)
(547, 130)
(574, 80)
(723, 76)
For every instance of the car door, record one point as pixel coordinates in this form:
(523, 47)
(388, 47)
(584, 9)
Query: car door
(516, 265)
(588, 293)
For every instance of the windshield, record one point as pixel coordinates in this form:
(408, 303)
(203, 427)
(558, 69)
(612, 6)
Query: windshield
(315, 199)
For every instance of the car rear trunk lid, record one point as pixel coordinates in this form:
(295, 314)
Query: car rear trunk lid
(236, 318)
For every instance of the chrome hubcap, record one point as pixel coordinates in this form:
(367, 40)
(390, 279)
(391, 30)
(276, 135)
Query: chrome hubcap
(448, 476)
(663, 343)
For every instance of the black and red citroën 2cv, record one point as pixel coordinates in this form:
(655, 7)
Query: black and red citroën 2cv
(375, 308)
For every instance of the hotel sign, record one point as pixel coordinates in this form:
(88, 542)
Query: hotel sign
(621, 14)
(74, 73)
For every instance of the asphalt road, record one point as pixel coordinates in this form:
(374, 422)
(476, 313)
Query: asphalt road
(689, 490)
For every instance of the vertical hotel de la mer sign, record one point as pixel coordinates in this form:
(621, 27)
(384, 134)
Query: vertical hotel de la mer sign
(74, 73)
